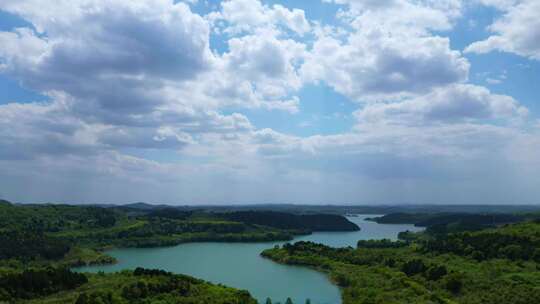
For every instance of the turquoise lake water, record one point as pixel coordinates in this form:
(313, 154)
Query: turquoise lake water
(240, 265)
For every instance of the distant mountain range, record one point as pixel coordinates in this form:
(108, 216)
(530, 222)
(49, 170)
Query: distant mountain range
(343, 209)
(332, 209)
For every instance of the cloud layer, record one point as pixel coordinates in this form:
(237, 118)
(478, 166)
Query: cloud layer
(141, 105)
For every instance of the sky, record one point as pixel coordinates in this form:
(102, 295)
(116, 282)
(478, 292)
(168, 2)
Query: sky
(274, 101)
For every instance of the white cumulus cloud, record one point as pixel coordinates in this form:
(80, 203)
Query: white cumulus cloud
(516, 31)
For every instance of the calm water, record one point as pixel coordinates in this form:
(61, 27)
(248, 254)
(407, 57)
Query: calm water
(239, 265)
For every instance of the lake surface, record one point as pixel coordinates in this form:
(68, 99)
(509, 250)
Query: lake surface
(240, 265)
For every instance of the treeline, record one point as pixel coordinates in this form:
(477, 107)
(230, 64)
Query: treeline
(316, 253)
(160, 241)
(384, 243)
(470, 219)
(400, 218)
(60, 285)
(49, 231)
(169, 226)
(141, 289)
(288, 301)
(56, 218)
(444, 223)
(301, 222)
(392, 273)
(156, 232)
(35, 283)
(517, 242)
(158, 286)
(432, 219)
(31, 232)
(30, 244)
(170, 213)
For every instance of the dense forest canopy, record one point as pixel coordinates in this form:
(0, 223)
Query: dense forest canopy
(58, 285)
(445, 222)
(302, 222)
(431, 219)
(458, 258)
(495, 265)
(55, 231)
(40, 242)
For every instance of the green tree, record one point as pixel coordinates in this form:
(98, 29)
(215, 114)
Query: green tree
(289, 301)
(536, 255)
(268, 301)
(512, 252)
(413, 267)
(436, 272)
(454, 282)
(82, 299)
(478, 255)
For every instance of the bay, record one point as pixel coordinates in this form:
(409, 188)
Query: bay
(240, 265)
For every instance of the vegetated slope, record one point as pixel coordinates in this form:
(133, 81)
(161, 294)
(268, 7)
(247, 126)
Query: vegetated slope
(281, 220)
(401, 218)
(139, 286)
(37, 242)
(358, 209)
(31, 232)
(515, 242)
(430, 219)
(76, 235)
(469, 267)
(451, 222)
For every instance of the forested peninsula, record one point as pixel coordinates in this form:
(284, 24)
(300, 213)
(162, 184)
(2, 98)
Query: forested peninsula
(493, 265)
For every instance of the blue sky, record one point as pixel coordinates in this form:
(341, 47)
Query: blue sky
(248, 101)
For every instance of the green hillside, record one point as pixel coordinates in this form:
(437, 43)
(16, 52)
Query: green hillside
(500, 265)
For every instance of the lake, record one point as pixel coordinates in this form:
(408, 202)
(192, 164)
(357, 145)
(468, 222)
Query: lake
(240, 265)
